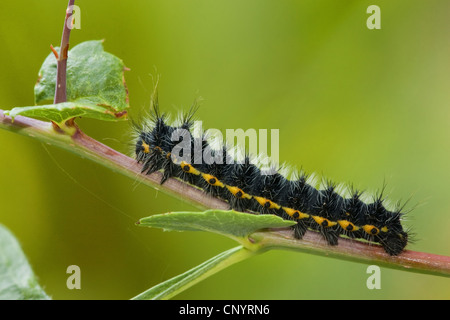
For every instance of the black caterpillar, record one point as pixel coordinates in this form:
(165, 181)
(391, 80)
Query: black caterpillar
(246, 189)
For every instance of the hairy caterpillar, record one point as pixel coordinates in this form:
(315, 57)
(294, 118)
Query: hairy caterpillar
(247, 188)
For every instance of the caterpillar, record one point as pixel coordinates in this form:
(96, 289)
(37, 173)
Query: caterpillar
(245, 187)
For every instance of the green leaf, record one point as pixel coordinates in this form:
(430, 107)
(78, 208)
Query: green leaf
(177, 284)
(92, 75)
(61, 112)
(234, 224)
(17, 281)
(95, 86)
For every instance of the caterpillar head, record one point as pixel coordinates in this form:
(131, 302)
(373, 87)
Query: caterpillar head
(392, 236)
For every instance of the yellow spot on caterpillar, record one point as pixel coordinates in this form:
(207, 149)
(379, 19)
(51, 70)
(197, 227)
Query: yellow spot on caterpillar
(347, 225)
(186, 167)
(370, 229)
(324, 222)
(267, 203)
(146, 147)
(212, 180)
(238, 193)
(295, 213)
(384, 229)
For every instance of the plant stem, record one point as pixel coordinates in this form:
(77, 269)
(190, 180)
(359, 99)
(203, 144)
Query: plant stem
(61, 75)
(355, 251)
(83, 145)
(175, 285)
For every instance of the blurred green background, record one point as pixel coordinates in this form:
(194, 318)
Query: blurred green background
(355, 105)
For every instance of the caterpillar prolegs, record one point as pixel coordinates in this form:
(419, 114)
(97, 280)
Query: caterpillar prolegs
(247, 188)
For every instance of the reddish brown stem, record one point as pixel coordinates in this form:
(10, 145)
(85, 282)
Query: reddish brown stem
(357, 251)
(61, 74)
(347, 249)
(83, 145)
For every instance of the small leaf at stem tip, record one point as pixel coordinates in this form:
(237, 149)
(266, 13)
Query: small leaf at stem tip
(229, 223)
(96, 86)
